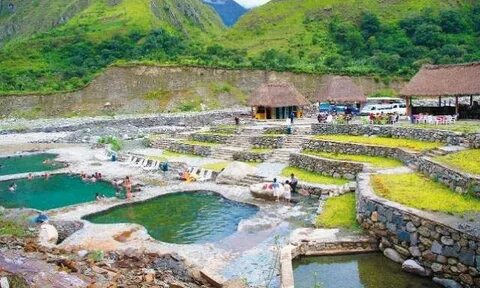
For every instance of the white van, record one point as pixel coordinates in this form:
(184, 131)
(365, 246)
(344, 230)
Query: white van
(384, 104)
(376, 108)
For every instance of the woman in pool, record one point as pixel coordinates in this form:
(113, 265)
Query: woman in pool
(287, 191)
(12, 187)
(30, 176)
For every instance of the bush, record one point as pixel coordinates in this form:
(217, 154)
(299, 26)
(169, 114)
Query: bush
(115, 143)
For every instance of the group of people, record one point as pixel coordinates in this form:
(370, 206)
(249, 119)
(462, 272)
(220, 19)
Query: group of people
(285, 189)
(187, 176)
(126, 183)
(92, 178)
(334, 117)
(382, 118)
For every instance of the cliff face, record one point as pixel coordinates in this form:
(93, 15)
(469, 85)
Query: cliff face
(145, 89)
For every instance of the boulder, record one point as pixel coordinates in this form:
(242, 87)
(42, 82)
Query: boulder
(48, 235)
(263, 192)
(412, 266)
(4, 283)
(235, 172)
(447, 283)
(393, 255)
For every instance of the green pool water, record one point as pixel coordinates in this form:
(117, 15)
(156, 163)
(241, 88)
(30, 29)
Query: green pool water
(354, 271)
(28, 163)
(182, 218)
(58, 191)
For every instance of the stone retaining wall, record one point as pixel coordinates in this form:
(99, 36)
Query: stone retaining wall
(211, 138)
(405, 156)
(327, 167)
(431, 135)
(271, 142)
(199, 150)
(445, 246)
(458, 181)
(314, 242)
(186, 119)
(275, 130)
(248, 156)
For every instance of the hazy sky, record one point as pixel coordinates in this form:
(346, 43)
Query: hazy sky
(251, 3)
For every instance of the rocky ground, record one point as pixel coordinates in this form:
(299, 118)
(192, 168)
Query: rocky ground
(25, 264)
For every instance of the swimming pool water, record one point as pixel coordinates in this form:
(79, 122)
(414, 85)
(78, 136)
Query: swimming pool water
(183, 218)
(371, 270)
(58, 191)
(28, 163)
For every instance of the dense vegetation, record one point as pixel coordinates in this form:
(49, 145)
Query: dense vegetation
(310, 36)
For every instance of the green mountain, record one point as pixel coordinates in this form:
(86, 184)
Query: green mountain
(52, 45)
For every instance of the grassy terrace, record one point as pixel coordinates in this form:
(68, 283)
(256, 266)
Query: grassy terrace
(459, 126)
(199, 143)
(414, 145)
(311, 177)
(9, 228)
(376, 161)
(467, 161)
(260, 150)
(339, 212)
(218, 166)
(418, 191)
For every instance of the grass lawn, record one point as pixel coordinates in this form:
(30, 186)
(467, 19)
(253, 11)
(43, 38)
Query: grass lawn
(311, 177)
(170, 154)
(376, 161)
(191, 142)
(339, 212)
(260, 150)
(415, 145)
(459, 126)
(11, 229)
(467, 160)
(218, 166)
(418, 191)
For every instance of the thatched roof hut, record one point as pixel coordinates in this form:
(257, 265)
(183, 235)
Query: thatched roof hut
(445, 80)
(277, 95)
(340, 89)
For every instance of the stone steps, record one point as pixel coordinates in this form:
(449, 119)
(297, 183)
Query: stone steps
(252, 179)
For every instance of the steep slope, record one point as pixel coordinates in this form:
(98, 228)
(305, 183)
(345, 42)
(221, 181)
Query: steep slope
(100, 33)
(291, 25)
(229, 10)
(102, 18)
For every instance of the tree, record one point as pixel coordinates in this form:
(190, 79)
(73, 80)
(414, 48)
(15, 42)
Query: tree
(369, 24)
(452, 21)
(429, 35)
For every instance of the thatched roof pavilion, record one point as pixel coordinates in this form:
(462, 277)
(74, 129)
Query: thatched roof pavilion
(276, 101)
(279, 94)
(458, 80)
(341, 89)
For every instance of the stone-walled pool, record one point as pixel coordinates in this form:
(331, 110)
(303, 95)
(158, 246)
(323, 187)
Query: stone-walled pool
(28, 163)
(181, 218)
(370, 270)
(57, 191)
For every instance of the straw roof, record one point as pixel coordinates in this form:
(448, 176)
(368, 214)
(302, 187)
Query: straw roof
(277, 95)
(445, 80)
(340, 89)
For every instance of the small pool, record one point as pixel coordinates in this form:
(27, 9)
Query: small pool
(182, 218)
(354, 271)
(58, 191)
(28, 163)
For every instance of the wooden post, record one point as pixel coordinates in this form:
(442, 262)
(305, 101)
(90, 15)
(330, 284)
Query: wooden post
(440, 101)
(456, 105)
(471, 100)
(408, 101)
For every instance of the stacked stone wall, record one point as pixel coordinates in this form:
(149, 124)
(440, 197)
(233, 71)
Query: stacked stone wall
(327, 167)
(185, 148)
(270, 142)
(211, 138)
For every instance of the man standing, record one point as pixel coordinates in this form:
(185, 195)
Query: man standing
(293, 182)
(292, 116)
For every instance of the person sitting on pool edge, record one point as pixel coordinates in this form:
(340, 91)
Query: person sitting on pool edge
(12, 187)
(41, 218)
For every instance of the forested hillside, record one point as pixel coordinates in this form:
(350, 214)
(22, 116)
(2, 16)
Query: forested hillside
(357, 37)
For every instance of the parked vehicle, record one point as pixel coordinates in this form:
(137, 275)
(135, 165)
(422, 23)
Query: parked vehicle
(385, 105)
(330, 108)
